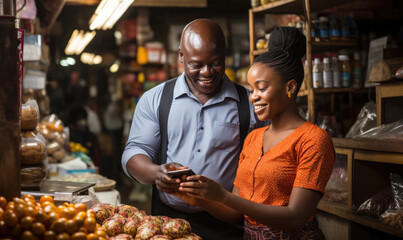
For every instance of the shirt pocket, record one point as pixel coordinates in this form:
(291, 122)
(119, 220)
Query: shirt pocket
(225, 136)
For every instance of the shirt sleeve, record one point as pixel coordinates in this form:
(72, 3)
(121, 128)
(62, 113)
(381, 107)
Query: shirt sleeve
(316, 162)
(144, 136)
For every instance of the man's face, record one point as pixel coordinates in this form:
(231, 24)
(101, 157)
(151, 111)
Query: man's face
(204, 68)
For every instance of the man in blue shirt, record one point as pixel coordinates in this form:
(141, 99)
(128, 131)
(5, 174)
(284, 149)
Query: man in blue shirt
(203, 129)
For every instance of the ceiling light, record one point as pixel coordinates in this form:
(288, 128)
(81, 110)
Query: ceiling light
(108, 12)
(90, 58)
(114, 68)
(78, 41)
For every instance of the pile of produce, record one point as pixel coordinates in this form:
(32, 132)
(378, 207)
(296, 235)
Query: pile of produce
(128, 222)
(26, 219)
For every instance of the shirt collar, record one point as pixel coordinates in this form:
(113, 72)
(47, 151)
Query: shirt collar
(227, 90)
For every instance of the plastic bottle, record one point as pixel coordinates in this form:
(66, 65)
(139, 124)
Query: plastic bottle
(345, 70)
(357, 71)
(317, 73)
(336, 72)
(323, 29)
(327, 74)
(334, 29)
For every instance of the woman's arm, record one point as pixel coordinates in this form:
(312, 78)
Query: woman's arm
(290, 218)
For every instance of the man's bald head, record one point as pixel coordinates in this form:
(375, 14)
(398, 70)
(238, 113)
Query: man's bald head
(202, 34)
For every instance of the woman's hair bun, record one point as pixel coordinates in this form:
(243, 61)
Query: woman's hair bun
(288, 39)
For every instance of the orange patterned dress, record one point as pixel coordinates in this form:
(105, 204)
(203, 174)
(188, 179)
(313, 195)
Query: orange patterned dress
(305, 159)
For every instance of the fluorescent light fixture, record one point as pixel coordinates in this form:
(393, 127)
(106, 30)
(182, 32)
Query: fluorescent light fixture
(78, 41)
(90, 58)
(108, 12)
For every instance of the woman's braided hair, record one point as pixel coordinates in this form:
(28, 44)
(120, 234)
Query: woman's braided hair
(287, 46)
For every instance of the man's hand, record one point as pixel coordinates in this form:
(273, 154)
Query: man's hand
(165, 183)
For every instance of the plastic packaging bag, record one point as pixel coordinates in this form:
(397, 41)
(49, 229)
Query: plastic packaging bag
(393, 216)
(377, 204)
(366, 120)
(29, 115)
(34, 162)
(336, 188)
(390, 132)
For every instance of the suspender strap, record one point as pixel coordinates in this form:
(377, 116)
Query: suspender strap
(243, 112)
(164, 108)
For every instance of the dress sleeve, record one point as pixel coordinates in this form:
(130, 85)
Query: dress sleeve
(316, 160)
(144, 137)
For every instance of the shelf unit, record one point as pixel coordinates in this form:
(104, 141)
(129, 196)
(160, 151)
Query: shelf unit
(302, 8)
(369, 163)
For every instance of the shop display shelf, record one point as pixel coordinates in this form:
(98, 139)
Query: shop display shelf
(295, 6)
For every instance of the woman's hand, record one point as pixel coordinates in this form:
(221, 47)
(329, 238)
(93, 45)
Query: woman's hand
(203, 187)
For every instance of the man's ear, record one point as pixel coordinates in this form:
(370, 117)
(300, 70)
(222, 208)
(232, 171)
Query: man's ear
(180, 55)
(292, 87)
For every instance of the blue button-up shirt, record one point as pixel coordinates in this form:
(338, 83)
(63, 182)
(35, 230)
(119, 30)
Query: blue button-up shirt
(203, 137)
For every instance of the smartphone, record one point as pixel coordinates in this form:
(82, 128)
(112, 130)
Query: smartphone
(179, 173)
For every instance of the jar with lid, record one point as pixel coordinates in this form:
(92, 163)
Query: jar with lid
(345, 70)
(345, 29)
(327, 74)
(255, 3)
(323, 29)
(317, 71)
(334, 29)
(261, 43)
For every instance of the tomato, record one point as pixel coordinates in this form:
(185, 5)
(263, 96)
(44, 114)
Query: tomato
(31, 211)
(83, 229)
(28, 235)
(26, 222)
(19, 201)
(10, 218)
(58, 225)
(92, 236)
(67, 212)
(101, 233)
(47, 203)
(41, 216)
(79, 218)
(80, 207)
(20, 210)
(79, 236)
(15, 231)
(53, 216)
(46, 198)
(49, 235)
(29, 196)
(90, 224)
(1, 214)
(3, 228)
(63, 236)
(70, 226)
(3, 202)
(38, 228)
(10, 206)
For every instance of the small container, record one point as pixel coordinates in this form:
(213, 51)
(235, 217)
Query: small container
(336, 72)
(327, 74)
(357, 71)
(334, 29)
(317, 73)
(260, 44)
(323, 29)
(345, 70)
(255, 3)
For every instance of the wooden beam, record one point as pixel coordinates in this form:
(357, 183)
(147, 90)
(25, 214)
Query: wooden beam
(149, 3)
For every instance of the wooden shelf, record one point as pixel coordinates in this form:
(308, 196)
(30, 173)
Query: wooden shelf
(369, 144)
(296, 6)
(340, 210)
(260, 51)
(339, 90)
(335, 43)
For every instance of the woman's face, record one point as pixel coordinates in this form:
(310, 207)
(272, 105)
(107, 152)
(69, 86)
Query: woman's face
(268, 92)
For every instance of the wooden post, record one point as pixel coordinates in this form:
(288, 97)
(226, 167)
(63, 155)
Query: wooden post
(251, 36)
(311, 92)
(9, 110)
